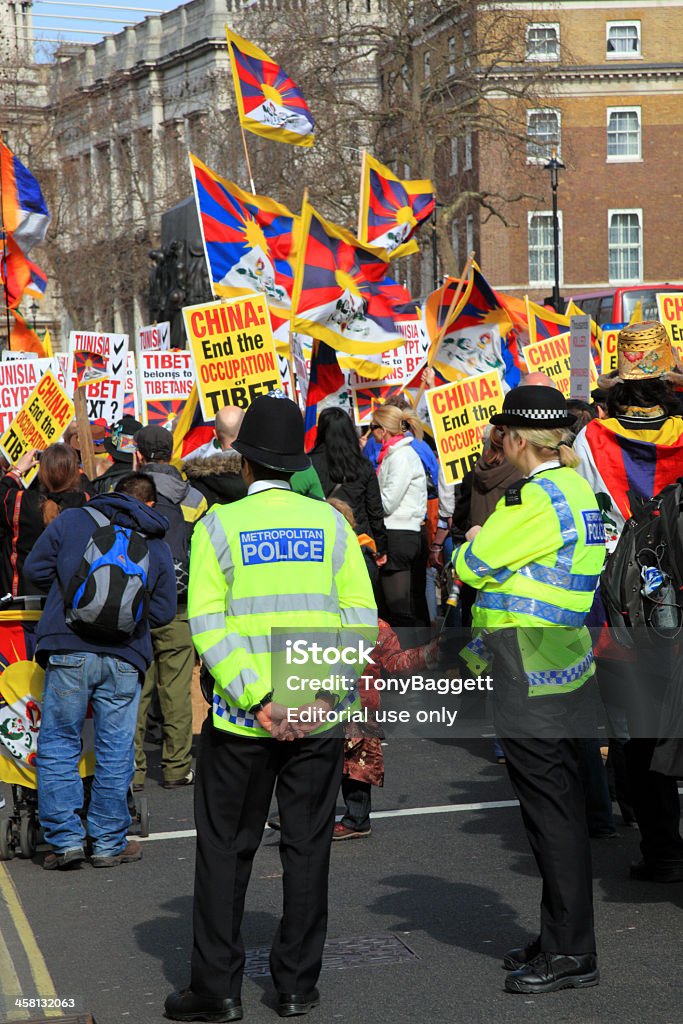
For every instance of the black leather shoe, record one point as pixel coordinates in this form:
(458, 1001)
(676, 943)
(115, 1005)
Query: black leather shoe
(186, 1005)
(296, 1004)
(516, 958)
(657, 871)
(550, 972)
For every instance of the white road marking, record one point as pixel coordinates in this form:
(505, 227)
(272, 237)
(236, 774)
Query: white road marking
(403, 812)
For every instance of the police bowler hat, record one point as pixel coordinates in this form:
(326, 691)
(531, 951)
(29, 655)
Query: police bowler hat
(272, 435)
(534, 407)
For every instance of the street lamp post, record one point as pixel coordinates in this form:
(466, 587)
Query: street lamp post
(554, 166)
(34, 307)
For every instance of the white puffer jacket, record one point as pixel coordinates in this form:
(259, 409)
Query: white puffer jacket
(403, 486)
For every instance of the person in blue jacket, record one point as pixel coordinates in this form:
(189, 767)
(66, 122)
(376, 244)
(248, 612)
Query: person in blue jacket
(104, 672)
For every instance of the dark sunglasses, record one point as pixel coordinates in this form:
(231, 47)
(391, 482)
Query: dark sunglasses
(376, 426)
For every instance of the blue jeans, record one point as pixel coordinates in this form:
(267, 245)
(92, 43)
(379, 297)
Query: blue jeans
(113, 688)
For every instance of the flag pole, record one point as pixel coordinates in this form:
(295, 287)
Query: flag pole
(290, 351)
(363, 162)
(84, 434)
(444, 327)
(246, 153)
(5, 287)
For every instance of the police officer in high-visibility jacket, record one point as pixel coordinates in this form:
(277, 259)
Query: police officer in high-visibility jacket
(273, 561)
(536, 565)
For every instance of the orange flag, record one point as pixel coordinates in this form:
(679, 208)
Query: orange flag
(22, 338)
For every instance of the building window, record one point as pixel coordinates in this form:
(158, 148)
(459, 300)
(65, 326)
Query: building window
(625, 245)
(454, 156)
(455, 243)
(466, 47)
(427, 63)
(543, 131)
(404, 78)
(452, 60)
(623, 39)
(542, 249)
(623, 133)
(543, 42)
(468, 150)
(469, 234)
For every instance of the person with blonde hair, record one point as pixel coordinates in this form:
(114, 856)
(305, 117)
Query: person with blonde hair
(536, 563)
(403, 489)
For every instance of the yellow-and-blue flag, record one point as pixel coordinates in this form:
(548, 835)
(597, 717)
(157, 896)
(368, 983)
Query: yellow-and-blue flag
(392, 210)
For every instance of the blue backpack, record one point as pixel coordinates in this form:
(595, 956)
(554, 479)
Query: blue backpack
(108, 597)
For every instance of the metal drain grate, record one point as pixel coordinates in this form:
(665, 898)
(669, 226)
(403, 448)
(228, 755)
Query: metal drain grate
(342, 954)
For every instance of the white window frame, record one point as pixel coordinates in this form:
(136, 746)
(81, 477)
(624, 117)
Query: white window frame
(466, 47)
(455, 145)
(626, 280)
(620, 55)
(452, 56)
(618, 158)
(556, 146)
(551, 280)
(468, 161)
(469, 234)
(543, 57)
(455, 241)
(426, 65)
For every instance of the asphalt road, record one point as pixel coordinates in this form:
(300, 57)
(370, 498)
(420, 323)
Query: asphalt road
(420, 914)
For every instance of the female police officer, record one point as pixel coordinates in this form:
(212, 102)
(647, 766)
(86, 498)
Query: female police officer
(536, 564)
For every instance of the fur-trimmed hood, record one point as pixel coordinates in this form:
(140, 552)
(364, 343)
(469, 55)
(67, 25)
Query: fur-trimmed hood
(213, 465)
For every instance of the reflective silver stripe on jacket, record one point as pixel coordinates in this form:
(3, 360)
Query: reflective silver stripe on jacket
(557, 577)
(274, 603)
(359, 616)
(219, 543)
(204, 623)
(226, 645)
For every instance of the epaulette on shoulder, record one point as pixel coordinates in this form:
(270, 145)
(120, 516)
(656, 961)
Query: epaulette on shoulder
(513, 494)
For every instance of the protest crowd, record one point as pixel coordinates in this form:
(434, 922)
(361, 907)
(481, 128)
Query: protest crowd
(487, 504)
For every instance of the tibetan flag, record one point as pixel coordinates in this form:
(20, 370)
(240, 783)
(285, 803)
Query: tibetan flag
(268, 102)
(392, 210)
(38, 284)
(249, 240)
(24, 211)
(89, 367)
(190, 430)
(338, 294)
(617, 461)
(325, 382)
(22, 338)
(475, 337)
(15, 272)
(543, 322)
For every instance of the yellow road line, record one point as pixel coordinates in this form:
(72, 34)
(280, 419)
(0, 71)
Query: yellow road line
(44, 985)
(10, 980)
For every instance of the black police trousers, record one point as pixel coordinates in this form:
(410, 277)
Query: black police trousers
(233, 790)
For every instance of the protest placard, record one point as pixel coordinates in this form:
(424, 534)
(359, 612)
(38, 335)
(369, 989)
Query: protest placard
(579, 357)
(552, 356)
(459, 413)
(166, 380)
(41, 421)
(234, 353)
(610, 334)
(131, 400)
(670, 306)
(153, 337)
(404, 362)
(104, 398)
(18, 378)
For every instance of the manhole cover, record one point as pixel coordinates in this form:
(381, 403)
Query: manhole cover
(341, 954)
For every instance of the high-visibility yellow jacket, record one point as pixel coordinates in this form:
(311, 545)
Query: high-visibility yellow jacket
(536, 563)
(274, 560)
